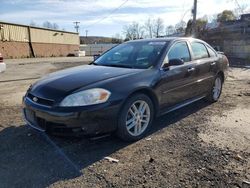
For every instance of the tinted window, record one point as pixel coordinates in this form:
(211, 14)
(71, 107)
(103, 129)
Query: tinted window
(211, 52)
(143, 54)
(121, 55)
(199, 50)
(179, 51)
(133, 54)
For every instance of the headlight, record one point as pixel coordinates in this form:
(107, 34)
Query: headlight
(86, 97)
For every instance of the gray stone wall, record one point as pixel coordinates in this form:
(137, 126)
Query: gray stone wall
(237, 48)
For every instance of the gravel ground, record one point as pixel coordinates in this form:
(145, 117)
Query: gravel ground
(201, 145)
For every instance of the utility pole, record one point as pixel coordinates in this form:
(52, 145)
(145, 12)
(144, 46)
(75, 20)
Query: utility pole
(194, 12)
(76, 26)
(86, 31)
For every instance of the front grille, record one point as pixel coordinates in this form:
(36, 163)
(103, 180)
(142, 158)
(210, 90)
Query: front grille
(41, 123)
(39, 100)
(52, 127)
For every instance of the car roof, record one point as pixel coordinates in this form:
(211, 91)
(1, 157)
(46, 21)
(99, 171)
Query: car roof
(167, 39)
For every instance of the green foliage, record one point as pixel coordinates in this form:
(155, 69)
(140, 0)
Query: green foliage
(226, 15)
(199, 29)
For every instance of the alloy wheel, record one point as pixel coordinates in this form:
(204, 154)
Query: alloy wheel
(138, 118)
(217, 88)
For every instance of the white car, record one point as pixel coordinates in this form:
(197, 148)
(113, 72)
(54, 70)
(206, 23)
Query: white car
(79, 53)
(2, 64)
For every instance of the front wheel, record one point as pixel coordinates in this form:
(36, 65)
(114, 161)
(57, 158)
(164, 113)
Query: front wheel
(135, 118)
(215, 92)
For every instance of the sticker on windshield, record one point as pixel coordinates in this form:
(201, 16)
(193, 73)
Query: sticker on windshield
(157, 43)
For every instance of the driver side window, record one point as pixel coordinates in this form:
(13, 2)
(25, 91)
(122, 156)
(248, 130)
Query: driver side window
(179, 51)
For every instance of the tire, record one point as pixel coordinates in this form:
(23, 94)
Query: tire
(215, 92)
(132, 123)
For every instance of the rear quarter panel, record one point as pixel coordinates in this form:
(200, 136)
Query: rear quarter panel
(223, 65)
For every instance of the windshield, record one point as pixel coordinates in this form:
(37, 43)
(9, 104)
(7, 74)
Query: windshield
(141, 55)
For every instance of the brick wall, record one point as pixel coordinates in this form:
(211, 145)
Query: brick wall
(22, 49)
(15, 49)
(53, 50)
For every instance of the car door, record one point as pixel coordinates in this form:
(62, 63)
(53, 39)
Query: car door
(176, 84)
(205, 65)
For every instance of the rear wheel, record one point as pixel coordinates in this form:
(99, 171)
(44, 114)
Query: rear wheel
(135, 118)
(215, 92)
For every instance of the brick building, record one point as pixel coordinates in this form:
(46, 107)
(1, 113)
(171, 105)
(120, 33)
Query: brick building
(22, 41)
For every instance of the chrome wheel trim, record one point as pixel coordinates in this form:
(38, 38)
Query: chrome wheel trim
(138, 117)
(217, 88)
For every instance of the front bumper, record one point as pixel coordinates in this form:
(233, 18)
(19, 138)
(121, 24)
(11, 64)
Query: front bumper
(92, 120)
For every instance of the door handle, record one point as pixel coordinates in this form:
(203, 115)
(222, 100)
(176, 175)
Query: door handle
(212, 64)
(191, 69)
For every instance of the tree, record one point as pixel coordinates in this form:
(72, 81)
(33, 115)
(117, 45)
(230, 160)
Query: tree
(116, 39)
(188, 30)
(128, 32)
(133, 31)
(158, 27)
(55, 26)
(149, 28)
(139, 30)
(32, 23)
(47, 24)
(226, 15)
(170, 30)
(50, 25)
(201, 24)
(180, 27)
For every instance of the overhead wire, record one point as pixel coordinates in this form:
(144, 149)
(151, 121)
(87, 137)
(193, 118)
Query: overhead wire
(107, 16)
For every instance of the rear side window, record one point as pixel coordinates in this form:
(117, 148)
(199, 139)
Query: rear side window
(211, 52)
(199, 50)
(179, 51)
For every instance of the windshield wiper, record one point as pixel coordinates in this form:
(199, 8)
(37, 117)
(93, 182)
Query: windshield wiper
(93, 63)
(118, 65)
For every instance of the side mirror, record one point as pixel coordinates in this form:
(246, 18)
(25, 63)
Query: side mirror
(173, 62)
(96, 56)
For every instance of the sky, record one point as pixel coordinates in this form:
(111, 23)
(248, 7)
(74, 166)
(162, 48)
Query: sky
(108, 17)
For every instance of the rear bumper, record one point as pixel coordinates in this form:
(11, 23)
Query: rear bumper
(96, 120)
(2, 67)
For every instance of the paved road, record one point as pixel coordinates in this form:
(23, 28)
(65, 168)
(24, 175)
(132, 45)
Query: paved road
(33, 68)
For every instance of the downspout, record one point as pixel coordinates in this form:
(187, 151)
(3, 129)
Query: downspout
(30, 43)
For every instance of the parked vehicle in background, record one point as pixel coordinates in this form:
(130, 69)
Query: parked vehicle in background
(126, 87)
(79, 53)
(2, 64)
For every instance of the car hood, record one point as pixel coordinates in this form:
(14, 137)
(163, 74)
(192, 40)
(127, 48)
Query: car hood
(62, 83)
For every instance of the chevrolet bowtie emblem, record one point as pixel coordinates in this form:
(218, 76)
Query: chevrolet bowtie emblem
(35, 99)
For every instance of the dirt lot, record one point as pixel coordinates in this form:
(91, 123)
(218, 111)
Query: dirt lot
(201, 145)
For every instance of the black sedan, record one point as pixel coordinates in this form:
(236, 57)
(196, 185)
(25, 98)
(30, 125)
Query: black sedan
(125, 88)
